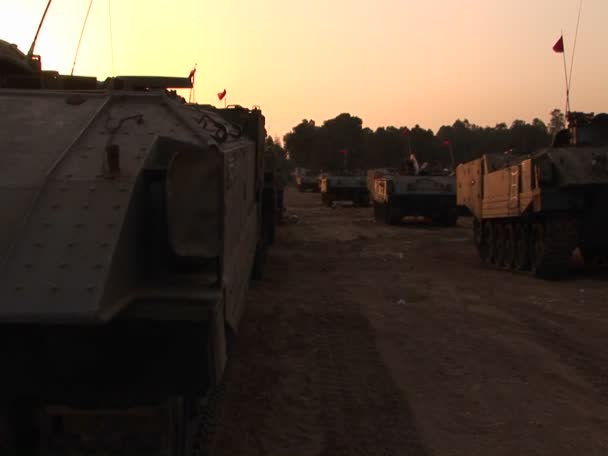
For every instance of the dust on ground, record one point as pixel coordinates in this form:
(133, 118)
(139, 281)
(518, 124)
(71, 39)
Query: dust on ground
(367, 339)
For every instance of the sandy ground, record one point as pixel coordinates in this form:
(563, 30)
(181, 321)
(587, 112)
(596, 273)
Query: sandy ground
(367, 339)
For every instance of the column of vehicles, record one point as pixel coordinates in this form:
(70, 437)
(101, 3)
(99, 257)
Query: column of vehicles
(420, 191)
(132, 223)
(530, 213)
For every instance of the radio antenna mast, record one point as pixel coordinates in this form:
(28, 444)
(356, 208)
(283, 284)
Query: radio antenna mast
(30, 53)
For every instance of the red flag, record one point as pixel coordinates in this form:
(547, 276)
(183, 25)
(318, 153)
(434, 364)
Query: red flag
(406, 131)
(221, 95)
(344, 151)
(559, 45)
(191, 75)
(446, 142)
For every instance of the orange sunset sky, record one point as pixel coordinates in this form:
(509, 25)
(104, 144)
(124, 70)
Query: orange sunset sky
(390, 62)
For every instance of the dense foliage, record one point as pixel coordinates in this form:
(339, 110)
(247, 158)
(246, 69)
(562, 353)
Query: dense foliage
(343, 142)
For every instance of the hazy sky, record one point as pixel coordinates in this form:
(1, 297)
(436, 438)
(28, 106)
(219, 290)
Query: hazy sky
(390, 62)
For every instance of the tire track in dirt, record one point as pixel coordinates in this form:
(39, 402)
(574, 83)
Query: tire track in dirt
(363, 410)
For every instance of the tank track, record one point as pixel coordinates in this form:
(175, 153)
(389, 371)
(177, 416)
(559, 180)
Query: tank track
(549, 242)
(205, 423)
(560, 239)
(197, 436)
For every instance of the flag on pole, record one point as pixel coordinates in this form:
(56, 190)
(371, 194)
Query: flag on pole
(343, 151)
(192, 73)
(221, 95)
(446, 142)
(406, 131)
(559, 45)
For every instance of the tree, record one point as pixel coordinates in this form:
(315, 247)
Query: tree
(557, 121)
(301, 143)
(315, 147)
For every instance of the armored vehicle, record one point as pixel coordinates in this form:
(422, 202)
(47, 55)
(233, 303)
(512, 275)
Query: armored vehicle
(397, 195)
(275, 180)
(532, 212)
(344, 187)
(307, 180)
(131, 225)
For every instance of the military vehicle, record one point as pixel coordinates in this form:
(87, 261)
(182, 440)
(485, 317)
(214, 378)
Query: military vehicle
(132, 223)
(408, 193)
(344, 187)
(532, 212)
(275, 180)
(307, 179)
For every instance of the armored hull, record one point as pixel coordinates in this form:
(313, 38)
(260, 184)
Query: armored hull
(396, 196)
(532, 212)
(131, 225)
(307, 183)
(344, 188)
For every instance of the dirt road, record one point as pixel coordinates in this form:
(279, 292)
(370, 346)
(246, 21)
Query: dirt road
(368, 339)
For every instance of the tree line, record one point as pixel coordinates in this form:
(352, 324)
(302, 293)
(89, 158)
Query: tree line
(343, 142)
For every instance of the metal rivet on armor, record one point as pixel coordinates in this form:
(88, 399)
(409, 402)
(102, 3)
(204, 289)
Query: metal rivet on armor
(70, 244)
(55, 206)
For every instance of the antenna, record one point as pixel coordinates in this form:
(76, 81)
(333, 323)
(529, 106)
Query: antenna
(81, 34)
(111, 38)
(30, 53)
(578, 20)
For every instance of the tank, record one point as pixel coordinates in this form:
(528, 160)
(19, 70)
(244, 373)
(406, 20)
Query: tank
(344, 187)
(426, 193)
(307, 180)
(132, 223)
(531, 213)
(275, 180)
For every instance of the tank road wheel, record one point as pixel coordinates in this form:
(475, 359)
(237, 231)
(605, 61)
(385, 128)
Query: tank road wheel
(552, 245)
(509, 247)
(487, 246)
(499, 244)
(522, 260)
(536, 248)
